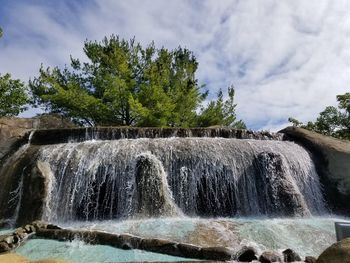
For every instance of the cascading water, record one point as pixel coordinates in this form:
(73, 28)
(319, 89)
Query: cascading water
(118, 180)
(11, 200)
(210, 177)
(153, 196)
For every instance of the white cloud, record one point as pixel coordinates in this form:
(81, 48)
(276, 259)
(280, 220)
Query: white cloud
(286, 58)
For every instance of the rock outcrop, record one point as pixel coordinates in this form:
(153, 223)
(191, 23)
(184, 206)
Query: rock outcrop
(275, 186)
(35, 197)
(290, 255)
(310, 259)
(15, 131)
(14, 134)
(332, 160)
(246, 254)
(13, 178)
(269, 257)
(337, 253)
(11, 241)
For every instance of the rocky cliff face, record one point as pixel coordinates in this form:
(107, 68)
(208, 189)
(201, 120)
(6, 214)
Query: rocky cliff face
(12, 132)
(15, 131)
(332, 160)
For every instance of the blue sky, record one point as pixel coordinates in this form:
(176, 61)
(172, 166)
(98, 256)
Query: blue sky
(285, 58)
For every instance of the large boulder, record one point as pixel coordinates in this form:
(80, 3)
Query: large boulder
(332, 160)
(246, 254)
(12, 182)
(310, 259)
(34, 198)
(269, 257)
(16, 161)
(290, 255)
(336, 253)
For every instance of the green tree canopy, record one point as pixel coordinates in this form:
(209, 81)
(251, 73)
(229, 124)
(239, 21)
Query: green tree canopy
(125, 84)
(13, 95)
(221, 112)
(332, 121)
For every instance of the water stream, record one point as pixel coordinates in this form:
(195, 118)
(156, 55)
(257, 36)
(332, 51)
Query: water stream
(204, 191)
(208, 177)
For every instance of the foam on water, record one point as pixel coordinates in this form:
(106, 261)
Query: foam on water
(306, 236)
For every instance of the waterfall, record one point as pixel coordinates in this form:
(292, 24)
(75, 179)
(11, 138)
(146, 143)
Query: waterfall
(210, 177)
(153, 196)
(11, 183)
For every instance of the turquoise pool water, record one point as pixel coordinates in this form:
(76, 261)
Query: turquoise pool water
(78, 252)
(307, 236)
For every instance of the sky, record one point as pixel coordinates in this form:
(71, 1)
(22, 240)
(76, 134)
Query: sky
(285, 58)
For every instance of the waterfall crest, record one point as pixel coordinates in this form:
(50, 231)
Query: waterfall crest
(211, 177)
(54, 136)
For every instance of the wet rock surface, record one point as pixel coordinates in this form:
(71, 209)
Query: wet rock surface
(15, 131)
(247, 254)
(11, 241)
(269, 257)
(310, 259)
(337, 253)
(123, 241)
(132, 242)
(275, 186)
(290, 255)
(34, 198)
(43, 230)
(14, 136)
(332, 160)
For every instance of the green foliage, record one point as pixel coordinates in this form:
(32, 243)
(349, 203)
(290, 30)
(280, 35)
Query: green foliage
(13, 96)
(126, 84)
(332, 121)
(295, 122)
(221, 112)
(344, 102)
(123, 84)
